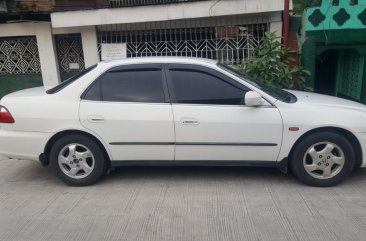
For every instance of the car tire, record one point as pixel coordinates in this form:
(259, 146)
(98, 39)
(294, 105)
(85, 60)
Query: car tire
(78, 160)
(323, 159)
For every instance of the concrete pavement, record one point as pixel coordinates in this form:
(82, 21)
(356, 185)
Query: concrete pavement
(178, 203)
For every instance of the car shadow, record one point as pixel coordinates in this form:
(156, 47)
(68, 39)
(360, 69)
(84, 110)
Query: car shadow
(202, 173)
(33, 173)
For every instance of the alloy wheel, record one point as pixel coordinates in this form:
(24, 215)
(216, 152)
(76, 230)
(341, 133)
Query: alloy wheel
(76, 161)
(324, 160)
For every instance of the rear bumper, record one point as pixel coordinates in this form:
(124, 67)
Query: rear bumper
(23, 145)
(362, 139)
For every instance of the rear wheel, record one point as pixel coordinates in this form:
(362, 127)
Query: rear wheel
(78, 160)
(323, 159)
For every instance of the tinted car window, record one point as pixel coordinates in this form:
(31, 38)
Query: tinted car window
(197, 87)
(129, 86)
(277, 93)
(94, 92)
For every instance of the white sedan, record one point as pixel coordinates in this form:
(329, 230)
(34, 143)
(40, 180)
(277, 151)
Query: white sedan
(180, 111)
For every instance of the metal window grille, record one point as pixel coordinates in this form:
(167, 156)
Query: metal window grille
(19, 56)
(228, 44)
(70, 53)
(131, 3)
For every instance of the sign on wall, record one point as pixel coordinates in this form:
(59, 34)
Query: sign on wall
(114, 51)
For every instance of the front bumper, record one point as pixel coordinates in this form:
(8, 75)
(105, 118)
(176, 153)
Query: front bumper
(23, 145)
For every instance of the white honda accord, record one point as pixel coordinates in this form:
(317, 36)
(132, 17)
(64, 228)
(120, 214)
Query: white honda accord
(180, 111)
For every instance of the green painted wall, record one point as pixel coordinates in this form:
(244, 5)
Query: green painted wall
(330, 16)
(13, 82)
(64, 75)
(332, 29)
(316, 42)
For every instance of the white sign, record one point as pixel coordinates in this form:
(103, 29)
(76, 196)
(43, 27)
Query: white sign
(74, 66)
(114, 51)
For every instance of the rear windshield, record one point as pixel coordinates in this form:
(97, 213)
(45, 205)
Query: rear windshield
(67, 82)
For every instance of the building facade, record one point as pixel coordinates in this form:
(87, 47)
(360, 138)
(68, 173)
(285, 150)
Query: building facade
(332, 40)
(44, 42)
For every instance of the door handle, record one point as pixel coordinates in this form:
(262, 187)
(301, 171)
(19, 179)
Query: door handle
(189, 121)
(96, 119)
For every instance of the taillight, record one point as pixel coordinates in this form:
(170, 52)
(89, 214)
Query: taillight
(5, 116)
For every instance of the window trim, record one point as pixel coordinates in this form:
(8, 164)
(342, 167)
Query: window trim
(134, 67)
(200, 69)
(70, 80)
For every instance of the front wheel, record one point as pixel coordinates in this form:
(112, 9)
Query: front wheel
(323, 159)
(78, 160)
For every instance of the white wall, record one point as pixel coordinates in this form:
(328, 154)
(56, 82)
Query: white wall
(46, 48)
(166, 12)
(84, 22)
(46, 45)
(276, 27)
(90, 46)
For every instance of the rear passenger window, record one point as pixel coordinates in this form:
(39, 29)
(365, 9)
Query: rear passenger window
(140, 85)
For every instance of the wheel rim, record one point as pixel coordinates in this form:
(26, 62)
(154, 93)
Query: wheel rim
(324, 160)
(76, 161)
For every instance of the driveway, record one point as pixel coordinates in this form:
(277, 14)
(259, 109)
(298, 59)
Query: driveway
(178, 203)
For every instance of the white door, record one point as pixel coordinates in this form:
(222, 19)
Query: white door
(128, 108)
(213, 123)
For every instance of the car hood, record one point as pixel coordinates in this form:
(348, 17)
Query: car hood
(325, 100)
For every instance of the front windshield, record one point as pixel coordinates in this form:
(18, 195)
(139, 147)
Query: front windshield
(272, 91)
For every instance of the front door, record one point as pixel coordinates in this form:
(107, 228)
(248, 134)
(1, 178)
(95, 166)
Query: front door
(213, 123)
(128, 107)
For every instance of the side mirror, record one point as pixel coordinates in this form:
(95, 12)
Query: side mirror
(252, 98)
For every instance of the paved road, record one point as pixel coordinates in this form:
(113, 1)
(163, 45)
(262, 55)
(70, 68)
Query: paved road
(175, 203)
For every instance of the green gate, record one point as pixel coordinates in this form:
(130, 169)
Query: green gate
(20, 67)
(70, 55)
(351, 75)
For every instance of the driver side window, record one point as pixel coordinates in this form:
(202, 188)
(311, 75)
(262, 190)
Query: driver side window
(191, 86)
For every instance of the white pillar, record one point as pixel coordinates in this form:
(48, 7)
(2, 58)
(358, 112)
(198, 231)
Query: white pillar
(48, 57)
(90, 47)
(276, 27)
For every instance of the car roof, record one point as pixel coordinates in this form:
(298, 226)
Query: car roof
(141, 60)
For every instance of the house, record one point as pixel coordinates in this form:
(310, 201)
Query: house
(332, 40)
(43, 42)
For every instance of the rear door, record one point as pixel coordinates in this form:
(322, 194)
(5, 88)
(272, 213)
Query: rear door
(212, 121)
(128, 107)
